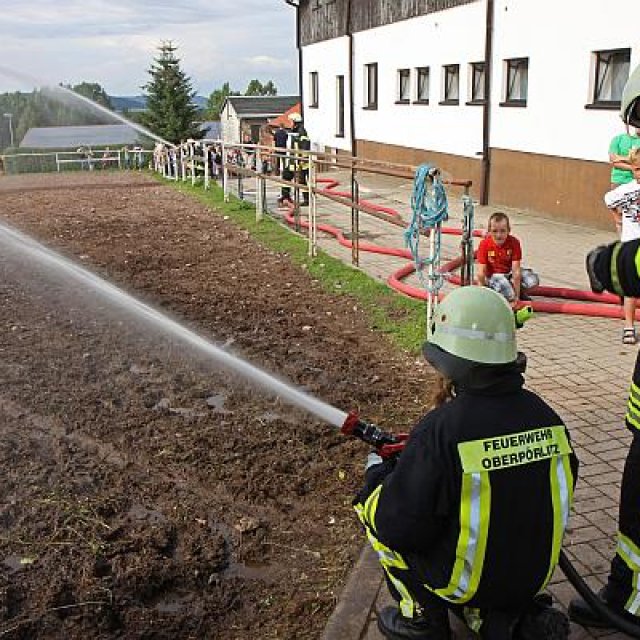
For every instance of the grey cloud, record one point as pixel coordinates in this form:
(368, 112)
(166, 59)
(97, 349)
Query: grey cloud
(72, 18)
(113, 42)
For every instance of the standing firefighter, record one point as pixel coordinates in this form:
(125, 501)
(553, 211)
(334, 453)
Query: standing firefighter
(616, 268)
(470, 517)
(296, 165)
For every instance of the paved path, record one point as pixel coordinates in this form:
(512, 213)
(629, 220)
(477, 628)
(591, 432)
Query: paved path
(578, 364)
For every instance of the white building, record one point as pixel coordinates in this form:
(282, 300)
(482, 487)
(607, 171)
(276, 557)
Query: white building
(520, 96)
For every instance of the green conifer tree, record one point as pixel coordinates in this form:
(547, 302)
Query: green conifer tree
(170, 111)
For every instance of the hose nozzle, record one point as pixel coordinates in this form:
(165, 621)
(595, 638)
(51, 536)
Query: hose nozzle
(367, 432)
(522, 315)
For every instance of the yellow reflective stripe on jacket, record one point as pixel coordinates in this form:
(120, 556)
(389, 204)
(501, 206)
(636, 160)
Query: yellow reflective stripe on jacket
(630, 554)
(633, 406)
(561, 480)
(475, 509)
(633, 604)
(388, 558)
(512, 450)
(367, 512)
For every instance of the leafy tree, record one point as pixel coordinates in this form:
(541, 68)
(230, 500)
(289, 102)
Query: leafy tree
(95, 92)
(217, 97)
(170, 112)
(256, 88)
(216, 100)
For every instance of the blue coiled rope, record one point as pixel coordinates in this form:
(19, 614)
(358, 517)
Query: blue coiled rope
(430, 209)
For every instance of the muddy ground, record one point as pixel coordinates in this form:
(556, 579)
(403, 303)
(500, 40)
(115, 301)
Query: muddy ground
(145, 493)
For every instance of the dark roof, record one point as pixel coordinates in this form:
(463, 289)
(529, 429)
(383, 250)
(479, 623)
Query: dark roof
(211, 129)
(72, 137)
(261, 105)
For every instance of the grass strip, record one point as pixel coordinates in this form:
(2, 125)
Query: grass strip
(401, 318)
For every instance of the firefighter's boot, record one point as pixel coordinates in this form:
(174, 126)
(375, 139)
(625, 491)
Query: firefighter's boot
(394, 626)
(543, 621)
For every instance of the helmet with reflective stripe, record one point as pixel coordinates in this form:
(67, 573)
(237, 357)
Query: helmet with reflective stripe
(473, 323)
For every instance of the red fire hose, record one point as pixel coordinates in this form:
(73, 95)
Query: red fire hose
(571, 301)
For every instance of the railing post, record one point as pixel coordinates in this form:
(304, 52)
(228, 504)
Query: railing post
(192, 155)
(355, 220)
(260, 185)
(432, 295)
(466, 243)
(240, 179)
(225, 174)
(313, 208)
(205, 152)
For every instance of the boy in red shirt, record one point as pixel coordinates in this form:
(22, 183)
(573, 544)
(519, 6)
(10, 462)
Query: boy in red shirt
(498, 257)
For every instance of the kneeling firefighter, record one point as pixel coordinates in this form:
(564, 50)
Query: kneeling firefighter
(470, 516)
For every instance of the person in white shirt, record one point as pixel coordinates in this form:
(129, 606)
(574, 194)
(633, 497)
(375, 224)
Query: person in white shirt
(624, 201)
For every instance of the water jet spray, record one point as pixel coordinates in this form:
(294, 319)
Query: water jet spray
(55, 91)
(55, 263)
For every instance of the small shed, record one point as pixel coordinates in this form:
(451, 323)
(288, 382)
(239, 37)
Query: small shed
(243, 117)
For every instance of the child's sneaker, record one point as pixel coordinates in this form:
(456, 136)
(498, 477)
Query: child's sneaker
(629, 335)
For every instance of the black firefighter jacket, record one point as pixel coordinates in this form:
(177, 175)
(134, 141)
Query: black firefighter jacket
(478, 501)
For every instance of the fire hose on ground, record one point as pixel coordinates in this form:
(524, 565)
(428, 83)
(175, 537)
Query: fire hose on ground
(573, 301)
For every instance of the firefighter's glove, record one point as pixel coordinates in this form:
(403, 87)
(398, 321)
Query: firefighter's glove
(376, 470)
(373, 459)
(594, 257)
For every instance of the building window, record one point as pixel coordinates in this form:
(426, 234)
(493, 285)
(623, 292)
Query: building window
(314, 90)
(339, 106)
(517, 82)
(477, 91)
(611, 73)
(451, 84)
(371, 86)
(422, 85)
(404, 86)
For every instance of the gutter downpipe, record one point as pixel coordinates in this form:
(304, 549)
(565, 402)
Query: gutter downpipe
(296, 6)
(486, 112)
(355, 196)
(352, 115)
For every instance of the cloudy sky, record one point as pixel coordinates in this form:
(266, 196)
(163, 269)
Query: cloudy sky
(113, 42)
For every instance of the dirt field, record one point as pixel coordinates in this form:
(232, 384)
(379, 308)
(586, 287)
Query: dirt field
(146, 493)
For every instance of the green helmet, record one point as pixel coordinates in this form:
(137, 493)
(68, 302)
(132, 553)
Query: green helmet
(475, 324)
